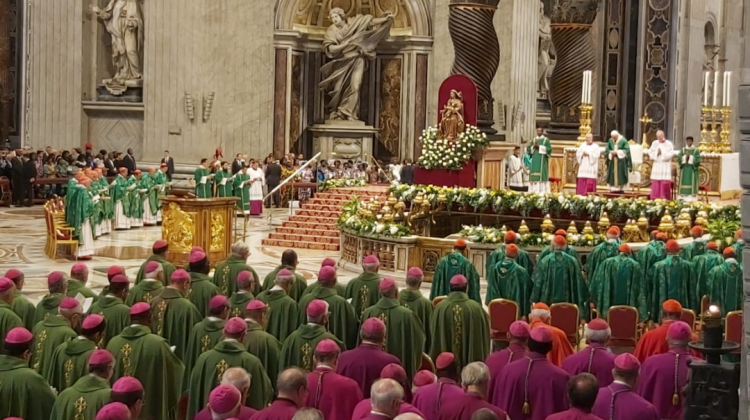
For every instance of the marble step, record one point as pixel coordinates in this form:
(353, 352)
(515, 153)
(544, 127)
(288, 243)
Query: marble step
(309, 232)
(300, 244)
(297, 237)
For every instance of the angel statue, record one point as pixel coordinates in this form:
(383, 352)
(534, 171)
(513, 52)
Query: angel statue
(124, 23)
(452, 122)
(349, 43)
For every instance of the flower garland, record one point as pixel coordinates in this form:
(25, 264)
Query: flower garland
(352, 222)
(438, 153)
(341, 183)
(484, 235)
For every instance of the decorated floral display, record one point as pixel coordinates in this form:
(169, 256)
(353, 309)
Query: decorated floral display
(438, 153)
(351, 221)
(341, 183)
(485, 235)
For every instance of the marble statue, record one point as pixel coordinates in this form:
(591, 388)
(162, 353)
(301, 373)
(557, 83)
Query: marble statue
(452, 122)
(124, 23)
(349, 43)
(545, 62)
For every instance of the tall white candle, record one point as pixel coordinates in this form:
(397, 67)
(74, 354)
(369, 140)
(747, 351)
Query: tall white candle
(583, 89)
(705, 88)
(716, 89)
(591, 74)
(729, 89)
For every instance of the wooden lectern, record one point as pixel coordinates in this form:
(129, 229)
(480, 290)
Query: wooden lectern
(491, 164)
(189, 222)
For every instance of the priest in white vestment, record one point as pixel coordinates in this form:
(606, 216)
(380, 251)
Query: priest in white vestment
(661, 153)
(257, 179)
(516, 171)
(587, 157)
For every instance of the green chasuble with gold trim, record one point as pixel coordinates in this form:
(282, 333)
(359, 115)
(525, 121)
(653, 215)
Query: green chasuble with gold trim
(689, 159)
(363, 291)
(702, 266)
(460, 326)
(539, 170)
(70, 362)
(404, 332)
(48, 334)
(242, 190)
(149, 184)
(299, 348)
(202, 189)
(136, 198)
(23, 392)
(238, 302)
(298, 287)
(144, 291)
(647, 256)
(203, 337)
(618, 168)
(449, 266)
(116, 315)
(202, 290)
(283, 313)
(693, 249)
(342, 322)
(265, 347)
(46, 307)
(671, 278)
(75, 287)
(210, 367)
(225, 189)
(726, 286)
(599, 254)
(8, 321)
(422, 307)
(167, 266)
(558, 279)
(24, 309)
(146, 356)
(523, 259)
(172, 318)
(226, 272)
(511, 282)
(619, 280)
(83, 400)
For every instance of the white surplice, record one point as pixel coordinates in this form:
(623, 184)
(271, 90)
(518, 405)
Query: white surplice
(661, 170)
(588, 166)
(257, 179)
(516, 171)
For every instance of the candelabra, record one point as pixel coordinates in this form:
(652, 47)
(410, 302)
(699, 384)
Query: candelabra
(715, 133)
(725, 146)
(645, 120)
(585, 127)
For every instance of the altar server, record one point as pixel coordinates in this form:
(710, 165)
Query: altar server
(518, 337)
(672, 278)
(540, 150)
(619, 281)
(595, 359)
(451, 265)
(661, 153)
(89, 393)
(334, 395)
(257, 179)
(726, 284)
(619, 163)
(516, 171)
(587, 157)
(510, 281)
(689, 160)
(619, 401)
(202, 178)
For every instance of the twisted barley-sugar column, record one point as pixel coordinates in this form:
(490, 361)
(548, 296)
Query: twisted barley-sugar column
(476, 51)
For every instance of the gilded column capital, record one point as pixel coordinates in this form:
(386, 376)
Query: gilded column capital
(574, 12)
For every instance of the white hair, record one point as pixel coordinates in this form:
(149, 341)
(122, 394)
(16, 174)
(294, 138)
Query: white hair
(155, 274)
(408, 416)
(370, 267)
(476, 373)
(542, 314)
(237, 377)
(240, 249)
(597, 336)
(67, 313)
(308, 413)
(283, 280)
(385, 393)
(319, 319)
(614, 133)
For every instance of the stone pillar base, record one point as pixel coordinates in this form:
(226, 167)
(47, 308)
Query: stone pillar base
(338, 139)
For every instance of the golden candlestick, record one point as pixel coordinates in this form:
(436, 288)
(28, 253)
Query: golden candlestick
(715, 139)
(706, 120)
(645, 120)
(585, 127)
(725, 146)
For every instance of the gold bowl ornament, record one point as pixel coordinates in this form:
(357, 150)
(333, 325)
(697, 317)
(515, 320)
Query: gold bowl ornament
(587, 229)
(547, 225)
(523, 229)
(667, 225)
(572, 229)
(604, 224)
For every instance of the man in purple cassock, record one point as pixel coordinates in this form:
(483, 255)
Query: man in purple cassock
(664, 376)
(582, 391)
(333, 394)
(518, 335)
(595, 359)
(619, 401)
(292, 392)
(364, 363)
(532, 388)
(398, 374)
(387, 397)
(429, 399)
(475, 380)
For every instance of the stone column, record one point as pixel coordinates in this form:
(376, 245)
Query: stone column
(477, 51)
(744, 128)
(524, 67)
(5, 62)
(571, 26)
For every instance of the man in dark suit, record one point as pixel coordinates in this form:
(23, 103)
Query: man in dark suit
(273, 178)
(16, 171)
(407, 172)
(29, 176)
(170, 164)
(129, 162)
(238, 163)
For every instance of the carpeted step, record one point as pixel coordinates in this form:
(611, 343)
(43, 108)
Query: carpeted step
(323, 207)
(319, 213)
(303, 225)
(288, 230)
(298, 237)
(311, 219)
(300, 244)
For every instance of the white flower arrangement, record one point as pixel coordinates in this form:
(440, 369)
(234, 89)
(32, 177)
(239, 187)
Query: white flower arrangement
(438, 153)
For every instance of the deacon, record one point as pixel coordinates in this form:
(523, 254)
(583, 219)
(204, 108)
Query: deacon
(257, 341)
(363, 289)
(79, 275)
(671, 278)
(451, 265)
(726, 284)
(230, 352)
(619, 163)
(224, 181)
(283, 317)
(619, 280)
(226, 272)
(498, 255)
(57, 285)
(289, 262)
(558, 279)
(403, 327)
(159, 255)
(174, 314)
(121, 198)
(239, 379)
(342, 322)
(8, 318)
(150, 287)
(664, 376)
(136, 199)
(619, 401)
(21, 304)
(257, 179)
(243, 293)
(52, 332)
(149, 199)
(412, 298)
(430, 399)
(518, 337)
(241, 187)
(689, 160)
(129, 391)
(292, 392)
(601, 252)
(205, 334)
(655, 341)
(661, 153)
(112, 308)
(551, 247)
(695, 248)
(582, 391)
(532, 388)
(364, 363)
(512, 281)
(202, 289)
(297, 348)
(224, 402)
(201, 178)
(340, 288)
(539, 317)
(595, 359)
(540, 150)
(333, 394)
(89, 393)
(587, 157)
(70, 359)
(702, 266)
(475, 379)
(397, 373)
(460, 326)
(25, 394)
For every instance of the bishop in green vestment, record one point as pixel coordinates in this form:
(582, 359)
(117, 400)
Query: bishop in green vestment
(558, 279)
(601, 252)
(412, 298)
(173, 314)
(726, 284)
(136, 198)
(298, 348)
(649, 255)
(460, 326)
(672, 278)
(149, 184)
(159, 255)
(149, 288)
(619, 163)
(211, 365)
(112, 308)
(702, 265)
(8, 318)
(689, 160)
(57, 284)
(79, 275)
(512, 281)
(243, 294)
(289, 262)
(144, 355)
(202, 179)
(24, 393)
(540, 150)
(342, 322)
(567, 249)
(362, 291)
(205, 334)
(70, 359)
(283, 311)
(226, 272)
(202, 289)
(241, 187)
(21, 305)
(121, 198)
(89, 393)
(224, 181)
(260, 343)
(619, 280)
(695, 248)
(451, 265)
(498, 255)
(52, 332)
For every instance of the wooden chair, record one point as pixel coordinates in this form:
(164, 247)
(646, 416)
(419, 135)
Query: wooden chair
(566, 317)
(6, 195)
(733, 328)
(688, 316)
(426, 363)
(58, 234)
(503, 312)
(437, 300)
(623, 322)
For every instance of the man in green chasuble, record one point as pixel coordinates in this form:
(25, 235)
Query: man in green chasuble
(412, 298)
(451, 265)
(21, 305)
(224, 181)
(540, 150)
(202, 288)
(129, 391)
(112, 308)
(338, 287)
(225, 274)
(260, 343)
(89, 393)
(702, 266)
(70, 360)
(460, 326)
(601, 252)
(649, 255)
(205, 334)
(243, 293)
(150, 287)
(558, 279)
(619, 280)
(342, 322)
(283, 311)
(52, 332)
(202, 178)
(511, 281)
(619, 163)
(57, 285)
(672, 278)
(79, 276)
(174, 314)
(726, 284)
(695, 248)
(689, 160)
(121, 198)
(297, 349)
(8, 318)
(498, 255)
(550, 249)
(362, 291)
(159, 255)
(136, 199)
(289, 262)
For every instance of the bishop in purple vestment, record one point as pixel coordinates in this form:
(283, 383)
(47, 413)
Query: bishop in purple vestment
(430, 399)
(292, 392)
(532, 388)
(518, 335)
(387, 397)
(595, 359)
(333, 394)
(475, 380)
(582, 391)
(619, 401)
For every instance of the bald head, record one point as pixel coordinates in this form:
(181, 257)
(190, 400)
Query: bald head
(582, 391)
(308, 413)
(292, 385)
(484, 414)
(386, 396)
(238, 378)
(408, 416)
